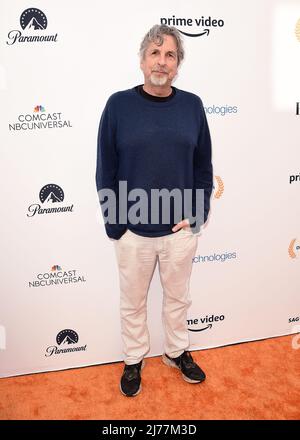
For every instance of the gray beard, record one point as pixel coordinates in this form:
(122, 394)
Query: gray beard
(158, 80)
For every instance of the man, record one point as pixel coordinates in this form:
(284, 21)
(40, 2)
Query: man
(154, 137)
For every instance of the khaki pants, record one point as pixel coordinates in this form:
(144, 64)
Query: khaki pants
(137, 257)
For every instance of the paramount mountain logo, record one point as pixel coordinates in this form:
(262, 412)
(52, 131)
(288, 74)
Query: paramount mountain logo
(67, 337)
(33, 19)
(193, 27)
(207, 322)
(49, 195)
(294, 249)
(39, 119)
(33, 22)
(57, 276)
(64, 338)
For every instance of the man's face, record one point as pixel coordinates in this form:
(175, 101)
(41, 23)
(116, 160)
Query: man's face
(160, 63)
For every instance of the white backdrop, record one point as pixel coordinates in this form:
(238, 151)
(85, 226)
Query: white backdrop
(245, 281)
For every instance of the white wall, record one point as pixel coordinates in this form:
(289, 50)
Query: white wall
(251, 63)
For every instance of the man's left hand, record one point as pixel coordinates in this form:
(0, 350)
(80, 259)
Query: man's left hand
(181, 224)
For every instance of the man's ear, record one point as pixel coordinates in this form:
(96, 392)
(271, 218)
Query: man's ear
(142, 67)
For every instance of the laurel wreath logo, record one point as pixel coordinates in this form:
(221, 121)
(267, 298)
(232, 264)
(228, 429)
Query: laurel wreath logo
(220, 189)
(291, 249)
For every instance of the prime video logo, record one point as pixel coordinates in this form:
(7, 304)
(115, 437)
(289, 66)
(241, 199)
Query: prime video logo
(294, 178)
(200, 26)
(208, 321)
(225, 256)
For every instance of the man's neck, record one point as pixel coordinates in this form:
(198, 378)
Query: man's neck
(160, 91)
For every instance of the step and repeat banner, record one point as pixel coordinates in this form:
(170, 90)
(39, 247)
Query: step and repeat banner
(59, 63)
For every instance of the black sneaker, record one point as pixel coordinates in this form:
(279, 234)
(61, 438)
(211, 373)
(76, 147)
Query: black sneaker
(191, 372)
(130, 384)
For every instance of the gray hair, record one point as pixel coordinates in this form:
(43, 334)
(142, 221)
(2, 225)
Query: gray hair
(156, 35)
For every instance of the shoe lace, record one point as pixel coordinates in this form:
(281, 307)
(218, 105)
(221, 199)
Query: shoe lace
(187, 360)
(131, 372)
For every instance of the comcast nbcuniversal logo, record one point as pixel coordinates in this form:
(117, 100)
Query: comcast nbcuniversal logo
(33, 22)
(294, 249)
(57, 276)
(39, 119)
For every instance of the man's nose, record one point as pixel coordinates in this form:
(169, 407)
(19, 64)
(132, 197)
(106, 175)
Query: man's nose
(162, 60)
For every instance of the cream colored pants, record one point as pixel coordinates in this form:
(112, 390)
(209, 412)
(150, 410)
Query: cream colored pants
(137, 257)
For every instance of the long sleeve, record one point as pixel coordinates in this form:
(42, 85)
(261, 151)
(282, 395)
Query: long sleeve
(203, 171)
(106, 173)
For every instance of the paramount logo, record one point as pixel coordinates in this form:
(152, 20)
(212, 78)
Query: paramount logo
(51, 196)
(65, 338)
(17, 36)
(33, 22)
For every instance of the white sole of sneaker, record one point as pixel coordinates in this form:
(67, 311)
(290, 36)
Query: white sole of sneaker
(140, 388)
(132, 395)
(170, 363)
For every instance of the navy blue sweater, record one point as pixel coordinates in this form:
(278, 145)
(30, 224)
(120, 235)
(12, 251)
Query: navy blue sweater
(153, 145)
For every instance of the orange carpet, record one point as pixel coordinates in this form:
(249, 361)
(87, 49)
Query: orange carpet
(256, 380)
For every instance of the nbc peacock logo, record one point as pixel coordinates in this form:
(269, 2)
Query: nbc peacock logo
(55, 268)
(39, 109)
(294, 249)
(219, 187)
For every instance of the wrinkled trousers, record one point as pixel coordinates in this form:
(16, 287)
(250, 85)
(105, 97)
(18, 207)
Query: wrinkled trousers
(137, 257)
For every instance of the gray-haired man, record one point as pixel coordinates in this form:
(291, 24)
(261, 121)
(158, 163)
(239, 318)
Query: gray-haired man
(155, 137)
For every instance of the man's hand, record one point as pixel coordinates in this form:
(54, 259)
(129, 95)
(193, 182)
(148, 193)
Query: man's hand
(181, 224)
